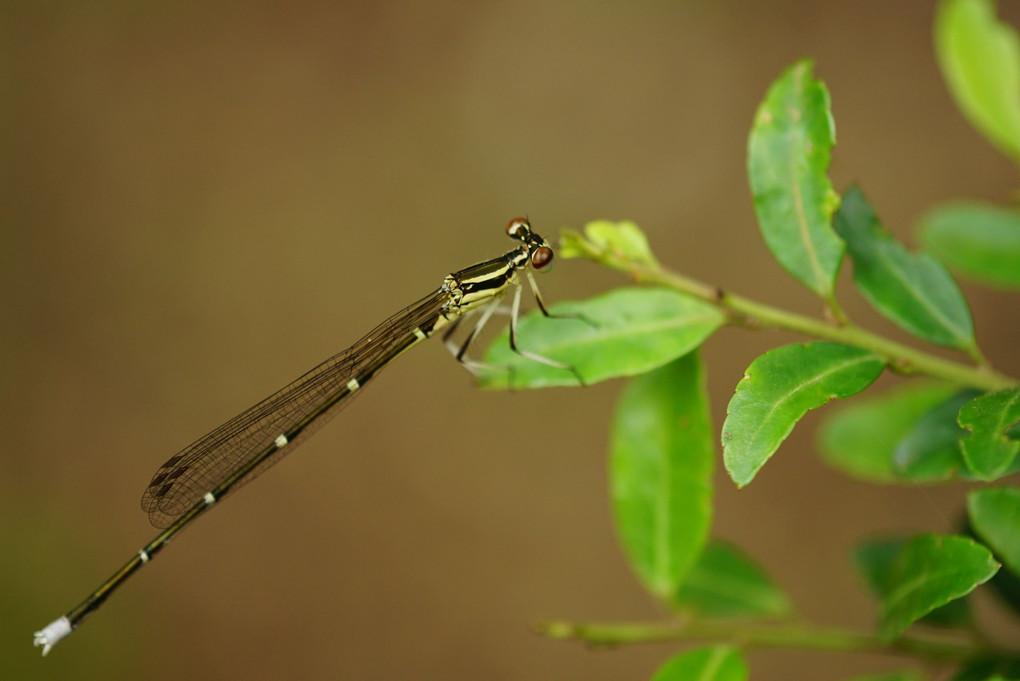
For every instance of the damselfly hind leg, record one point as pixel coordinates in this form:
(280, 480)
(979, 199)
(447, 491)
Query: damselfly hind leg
(460, 351)
(514, 310)
(550, 315)
(477, 367)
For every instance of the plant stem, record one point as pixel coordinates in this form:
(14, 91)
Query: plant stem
(900, 358)
(778, 636)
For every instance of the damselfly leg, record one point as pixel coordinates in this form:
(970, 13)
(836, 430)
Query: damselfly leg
(478, 367)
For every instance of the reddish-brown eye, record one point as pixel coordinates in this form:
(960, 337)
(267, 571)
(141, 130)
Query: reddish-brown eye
(518, 228)
(542, 257)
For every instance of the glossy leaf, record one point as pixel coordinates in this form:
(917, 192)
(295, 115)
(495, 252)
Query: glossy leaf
(787, 161)
(929, 572)
(989, 450)
(875, 559)
(726, 583)
(623, 239)
(778, 389)
(995, 516)
(980, 60)
(623, 333)
(913, 290)
(711, 663)
(860, 438)
(930, 451)
(981, 241)
(661, 462)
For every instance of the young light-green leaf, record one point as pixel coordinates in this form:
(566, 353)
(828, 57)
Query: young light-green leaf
(929, 572)
(989, 450)
(727, 583)
(859, 438)
(995, 516)
(980, 60)
(778, 389)
(711, 663)
(660, 471)
(624, 239)
(913, 290)
(787, 161)
(979, 240)
(621, 333)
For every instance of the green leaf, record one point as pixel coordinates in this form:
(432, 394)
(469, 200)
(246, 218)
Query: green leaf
(913, 290)
(622, 333)
(930, 452)
(711, 663)
(875, 559)
(929, 572)
(778, 389)
(989, 450)
(980, 241)
(661, 460)
(980, 60)
(623, 239)
(995, 516)
(787, 160)
(726, 583)
(860, 438)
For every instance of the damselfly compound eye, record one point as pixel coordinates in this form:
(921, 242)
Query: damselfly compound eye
(542, 257)
(518, 228)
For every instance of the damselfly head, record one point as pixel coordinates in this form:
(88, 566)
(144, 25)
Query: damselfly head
(539, 252)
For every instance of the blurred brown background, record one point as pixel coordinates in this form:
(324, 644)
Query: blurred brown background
(201, 200)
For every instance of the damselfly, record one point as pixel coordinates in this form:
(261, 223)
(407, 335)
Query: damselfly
(245, 446)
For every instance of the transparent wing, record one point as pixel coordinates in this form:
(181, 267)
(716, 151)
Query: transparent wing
(185, 478)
